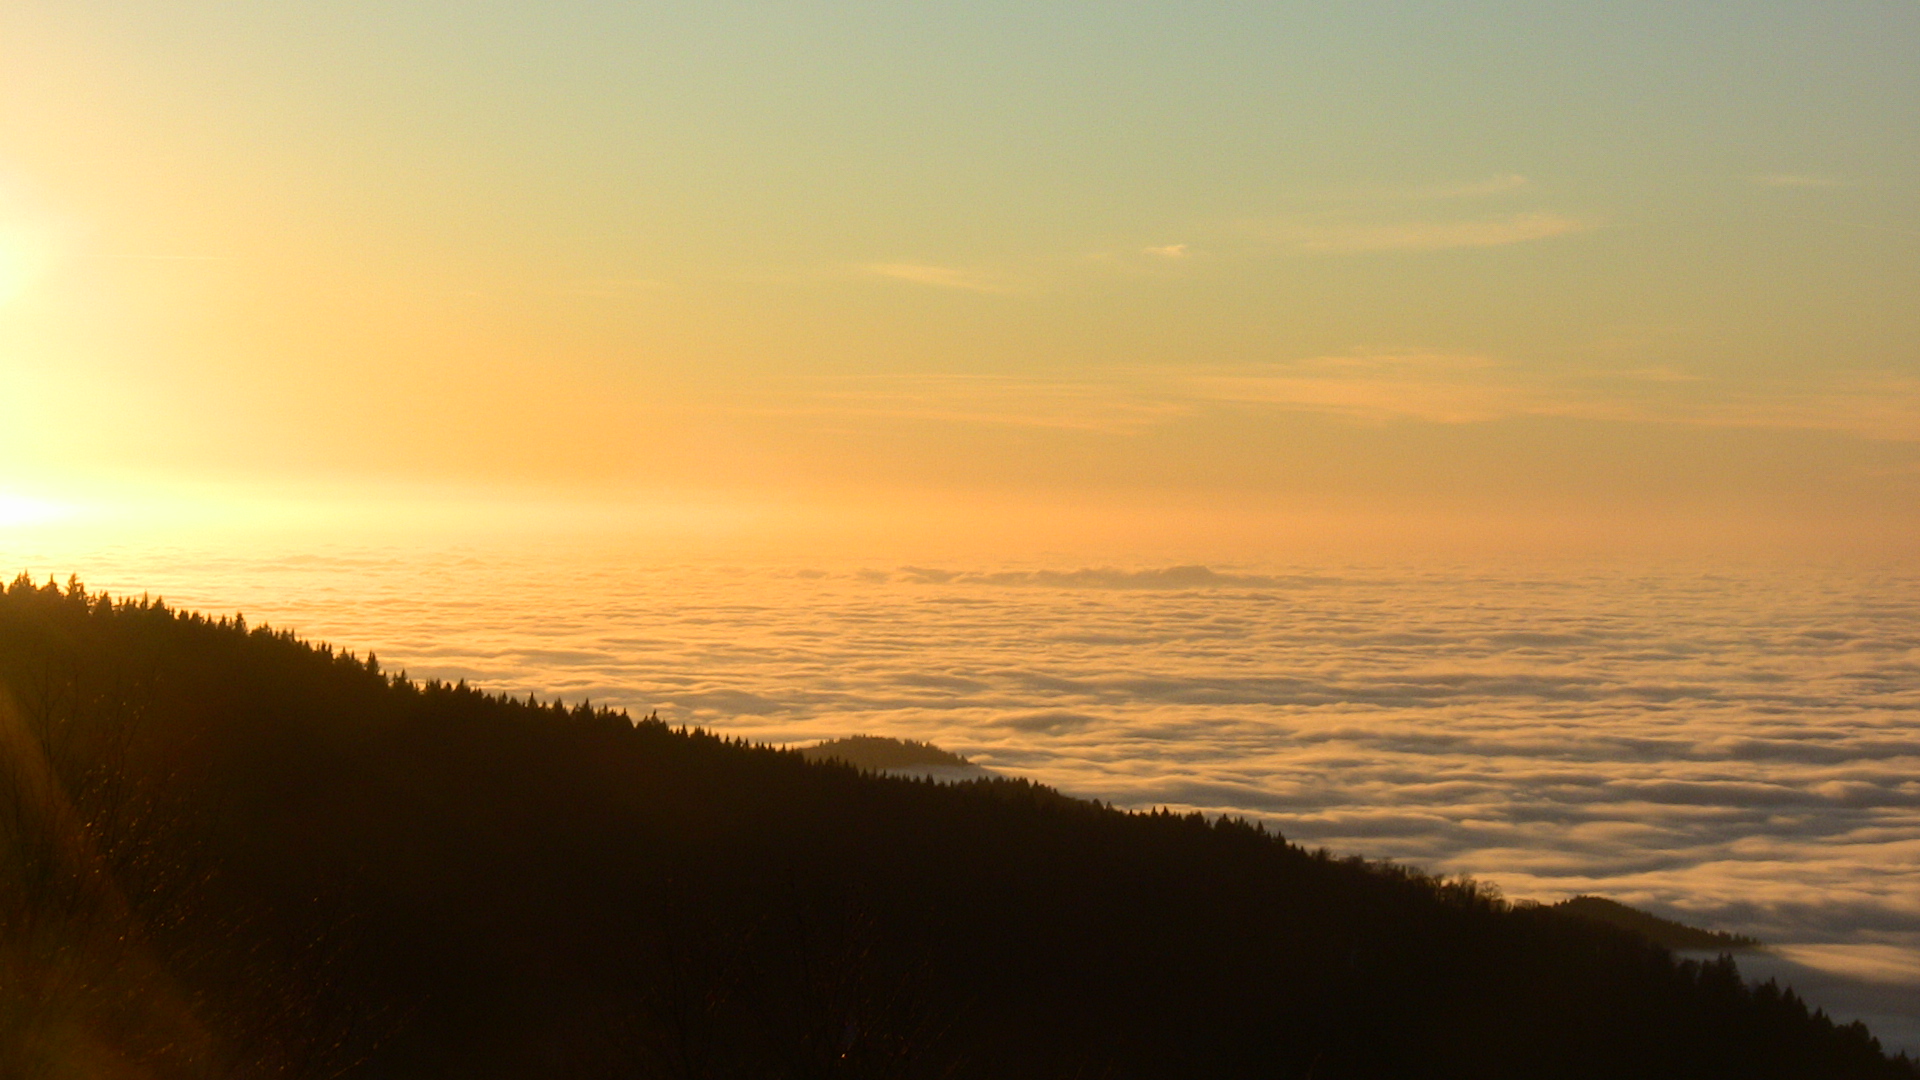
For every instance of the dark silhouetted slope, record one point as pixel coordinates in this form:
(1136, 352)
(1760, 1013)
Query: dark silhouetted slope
(897, 757)
(1673, 935)
(231, 853)
(879, 753)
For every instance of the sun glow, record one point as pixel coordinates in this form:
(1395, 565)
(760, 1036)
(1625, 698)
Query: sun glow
(23, 255)
(13, 269)
(23, 510)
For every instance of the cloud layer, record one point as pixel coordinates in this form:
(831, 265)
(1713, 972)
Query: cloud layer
(1736, 750)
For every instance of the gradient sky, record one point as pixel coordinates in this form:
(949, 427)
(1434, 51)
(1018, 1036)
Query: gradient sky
(1222, 277)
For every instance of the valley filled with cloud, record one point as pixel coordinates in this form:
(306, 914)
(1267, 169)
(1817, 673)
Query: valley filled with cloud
(1734, 748)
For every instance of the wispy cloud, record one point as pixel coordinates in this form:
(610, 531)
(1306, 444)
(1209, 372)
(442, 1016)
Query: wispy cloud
(1465, 388)
(1425, 386)
(1434, 235)
(1167, 251)
(1426, 217)
(940, 277)
(1438, 387)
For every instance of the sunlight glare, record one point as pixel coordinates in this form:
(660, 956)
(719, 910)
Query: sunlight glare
(22, 510)
(25, 252)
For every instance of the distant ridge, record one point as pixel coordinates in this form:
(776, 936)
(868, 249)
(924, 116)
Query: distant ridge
(878, 753)
(1166, 577)
(1673, 935)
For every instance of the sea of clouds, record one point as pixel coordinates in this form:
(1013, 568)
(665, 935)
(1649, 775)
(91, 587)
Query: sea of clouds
(1737, 749)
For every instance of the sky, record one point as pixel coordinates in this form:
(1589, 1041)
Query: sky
(1197, 281)
(949, 306)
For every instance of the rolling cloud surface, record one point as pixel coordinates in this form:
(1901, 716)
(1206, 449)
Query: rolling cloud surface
(1740, 750)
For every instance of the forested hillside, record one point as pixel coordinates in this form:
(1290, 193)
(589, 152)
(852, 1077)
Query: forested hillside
(1673, 935)
(230, 853)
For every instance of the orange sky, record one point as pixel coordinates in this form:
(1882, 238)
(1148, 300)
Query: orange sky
(1230, 282)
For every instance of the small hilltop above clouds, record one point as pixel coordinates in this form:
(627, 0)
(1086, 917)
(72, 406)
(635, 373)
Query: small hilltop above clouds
(897, 757)
(1664, 932)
